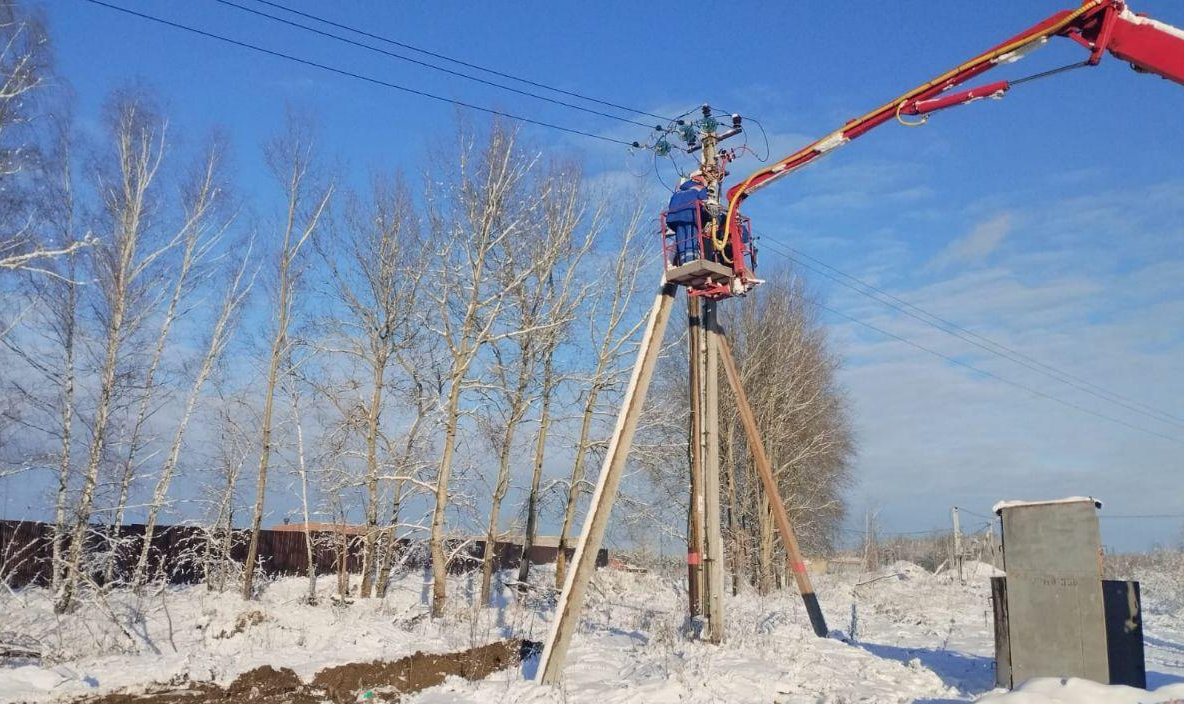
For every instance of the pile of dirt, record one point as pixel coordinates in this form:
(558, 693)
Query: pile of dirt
(415, 672)
(383, 681)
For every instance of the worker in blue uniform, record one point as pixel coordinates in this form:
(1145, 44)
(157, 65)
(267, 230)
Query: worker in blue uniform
(685, 216)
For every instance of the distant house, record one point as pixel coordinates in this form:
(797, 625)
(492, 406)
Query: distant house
(846, 564)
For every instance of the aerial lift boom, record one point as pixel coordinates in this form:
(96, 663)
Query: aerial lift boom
(1148, 45)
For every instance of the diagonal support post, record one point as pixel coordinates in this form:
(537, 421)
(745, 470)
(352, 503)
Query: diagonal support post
(571, 601)
(765, 471)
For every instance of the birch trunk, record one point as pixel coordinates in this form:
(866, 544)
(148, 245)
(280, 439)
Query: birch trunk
(139, 149)
(290, 160)
(436, 537)
(219, 337)
(67, 424)
(402, 470)
(191, 234)
(536, 476)
(374, 413)
(518, 406)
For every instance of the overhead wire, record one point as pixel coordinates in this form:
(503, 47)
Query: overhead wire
(387, 84)
(425, 64)
(974, 513)
(358, 76)
(466, 64)
(969, 336)
(1144, 515)
(979, 370)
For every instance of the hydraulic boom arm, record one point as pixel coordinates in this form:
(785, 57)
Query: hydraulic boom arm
(1098, 25)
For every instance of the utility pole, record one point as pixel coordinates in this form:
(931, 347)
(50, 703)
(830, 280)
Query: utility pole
(713, 601)
(707, 280)
(712, 572)
(957, 542)
(695, 509)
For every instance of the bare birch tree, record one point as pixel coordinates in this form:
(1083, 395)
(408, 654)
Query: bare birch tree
(788, 371)
(563, 286)
(58, 322)
(291, 161)
(25, 71)
(476, 210)
(376, 270)
(612, 322)
(219, 336)
(121, 267)
(197, 237)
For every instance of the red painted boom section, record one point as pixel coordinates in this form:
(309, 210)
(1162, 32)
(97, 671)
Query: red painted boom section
(1098, 25)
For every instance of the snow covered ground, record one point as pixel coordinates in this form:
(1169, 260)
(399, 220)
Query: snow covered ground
(913, 637)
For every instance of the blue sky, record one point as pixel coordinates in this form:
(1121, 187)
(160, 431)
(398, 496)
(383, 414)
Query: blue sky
(1051, 221)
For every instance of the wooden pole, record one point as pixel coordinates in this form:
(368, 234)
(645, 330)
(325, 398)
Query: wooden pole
(713, 600)
(695, 508)
(765, 471)
(571, 601)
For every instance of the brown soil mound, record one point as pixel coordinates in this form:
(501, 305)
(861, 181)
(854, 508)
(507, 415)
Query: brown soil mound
(341, 684)
(415, 672)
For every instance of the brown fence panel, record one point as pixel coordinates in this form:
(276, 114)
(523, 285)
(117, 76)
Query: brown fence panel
(26, 552)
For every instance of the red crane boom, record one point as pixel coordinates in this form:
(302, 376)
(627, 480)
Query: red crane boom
(1148, 45)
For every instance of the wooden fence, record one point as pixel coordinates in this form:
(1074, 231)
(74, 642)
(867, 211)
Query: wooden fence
(180, 553)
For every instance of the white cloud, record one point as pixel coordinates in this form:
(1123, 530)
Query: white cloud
(977, 245)
(1099, 297)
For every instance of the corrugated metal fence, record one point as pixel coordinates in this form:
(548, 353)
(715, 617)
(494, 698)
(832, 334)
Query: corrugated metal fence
(179, 553)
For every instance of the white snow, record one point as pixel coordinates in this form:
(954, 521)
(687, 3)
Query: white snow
(899, 634)
(831, 141)
(1068, 500)
(1161, 26)
(1013, 56)
(1048, 690)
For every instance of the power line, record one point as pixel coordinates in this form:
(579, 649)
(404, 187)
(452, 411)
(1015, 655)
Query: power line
(932, 531)
(426, 64)
(458, 62)
(973, 513)
(984, 372)
(1145, 515)
(358, 76)
(973, 338)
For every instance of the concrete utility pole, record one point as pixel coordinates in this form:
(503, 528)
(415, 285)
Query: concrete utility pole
(695, 509)
(712, 579)
(957, 542)
(712, 601)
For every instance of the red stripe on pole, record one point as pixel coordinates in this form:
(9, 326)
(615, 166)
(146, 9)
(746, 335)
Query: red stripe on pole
(692, 558)
(799, 567)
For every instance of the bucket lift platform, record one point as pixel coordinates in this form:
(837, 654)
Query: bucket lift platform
(700, 274)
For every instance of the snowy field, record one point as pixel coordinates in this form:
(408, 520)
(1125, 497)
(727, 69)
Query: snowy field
(911, 637)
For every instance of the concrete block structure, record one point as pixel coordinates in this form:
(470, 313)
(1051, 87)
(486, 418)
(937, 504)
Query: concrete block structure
(1053, 616)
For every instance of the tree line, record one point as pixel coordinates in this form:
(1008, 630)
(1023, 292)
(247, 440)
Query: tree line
(400, 355)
